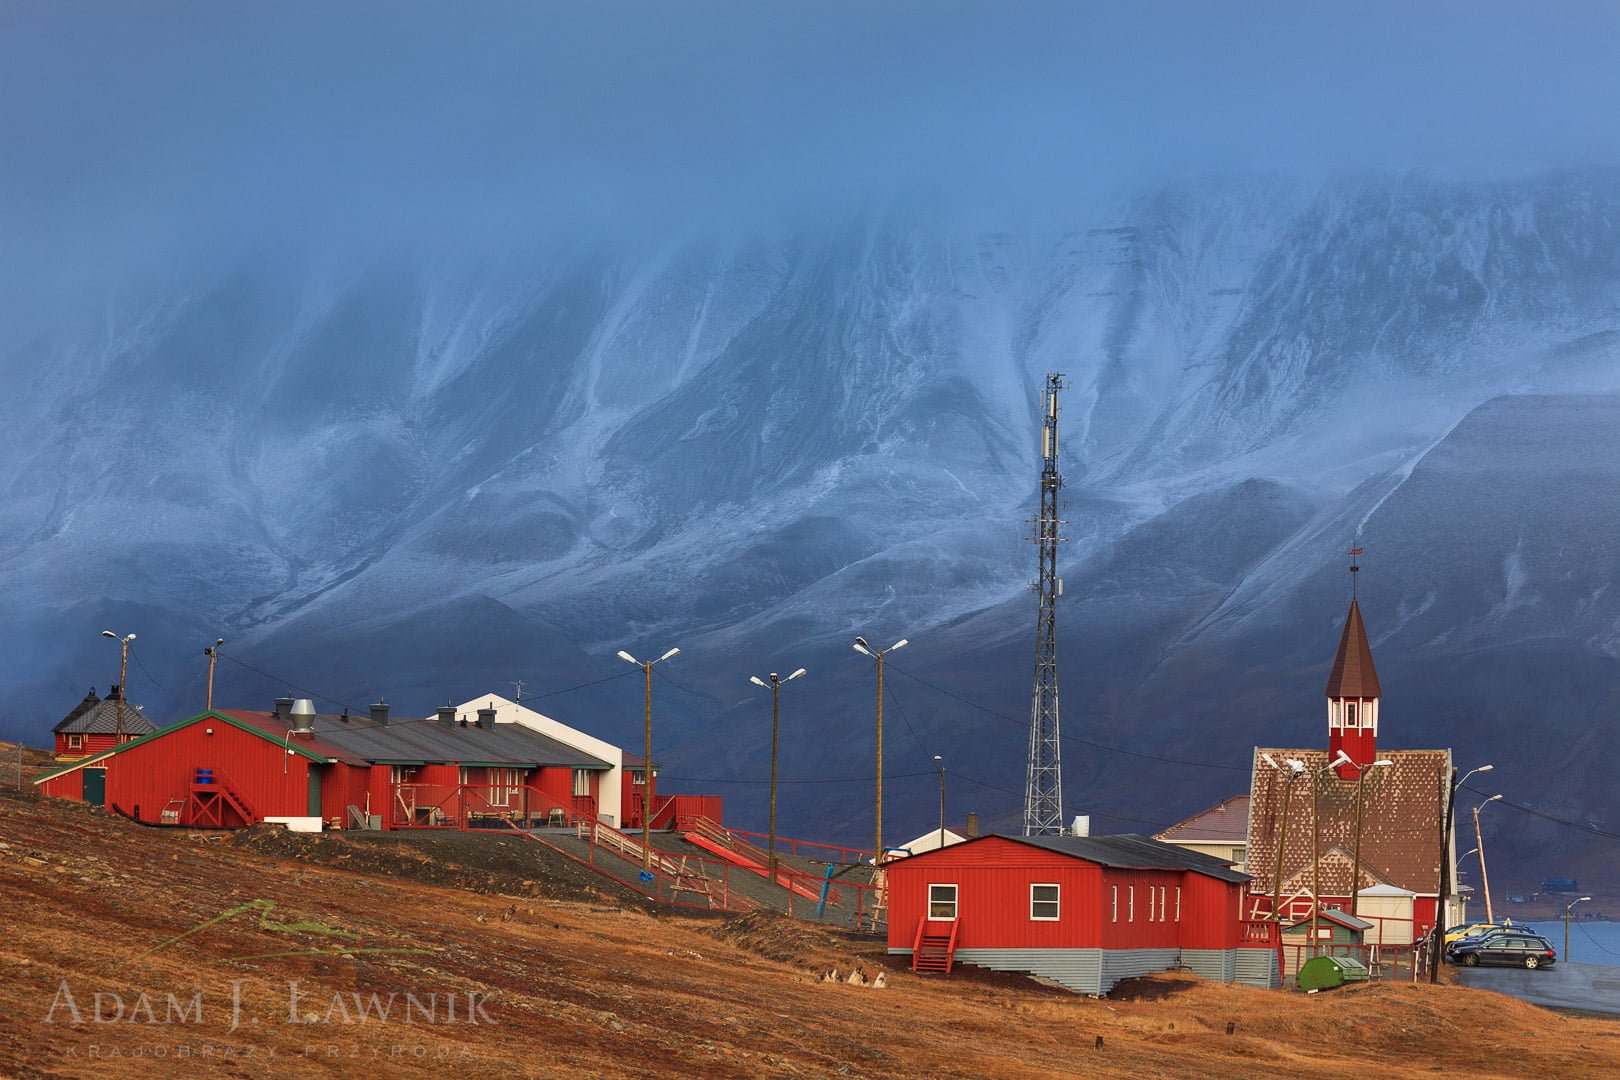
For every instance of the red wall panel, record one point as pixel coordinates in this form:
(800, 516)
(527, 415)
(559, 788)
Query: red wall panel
(268, 779)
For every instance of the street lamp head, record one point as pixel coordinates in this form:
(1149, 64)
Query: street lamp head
(1295, 764)
(666, 656)
(756, 680)
(1381, 763)
(108, 633)
(1493, 798)
(860, 647)
(902, 643)
(218, 642)
(860, 641)
(1342, 759)
(1269, 760)
(1485, 768)
(627, 658)
(938, 758)
(795, 675)
(131, 637)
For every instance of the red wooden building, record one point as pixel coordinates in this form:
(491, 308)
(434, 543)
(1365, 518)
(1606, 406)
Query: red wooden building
(1083, 911)
(228, 768)
(95, 723)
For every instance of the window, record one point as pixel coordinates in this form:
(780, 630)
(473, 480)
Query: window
(503, 785)
(1043, 903)
(582, 782)
(75, 742)
(1130, 903)
(942, 901)
(402, 774)
(1178, 903)
(1349, 714)
(1114, 902)
(1150, 904)
(1162, 915)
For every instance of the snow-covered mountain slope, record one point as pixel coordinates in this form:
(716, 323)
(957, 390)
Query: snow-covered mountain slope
(413, 474)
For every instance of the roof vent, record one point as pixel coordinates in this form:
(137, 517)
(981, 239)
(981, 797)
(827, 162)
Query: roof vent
(1081, 826)
(284, 709)
(486, 717)
(379, 713)
(302, 716)
(447, 715)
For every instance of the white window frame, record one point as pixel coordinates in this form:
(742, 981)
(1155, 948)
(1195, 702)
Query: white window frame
(582, 782)
(1150, 916)
(1352, 716)
(1056, 902)
(75, 742)
(951, 885)
(1178, 903)
(1162, 908)
(1114, 903)
(503, 784)
(1130, 903)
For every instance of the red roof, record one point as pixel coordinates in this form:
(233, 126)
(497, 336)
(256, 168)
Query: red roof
(1353, 673)
(1227, 823)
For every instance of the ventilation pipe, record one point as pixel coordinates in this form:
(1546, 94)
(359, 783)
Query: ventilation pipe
(1082, 825)
(284, 709)
(486, 717)
(972, 824)
(447, 716)
(379, 713)
(302, 716)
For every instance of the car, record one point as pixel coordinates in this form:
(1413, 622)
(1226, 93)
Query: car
(1517, 949)
(1493, 932)
(1462, 930)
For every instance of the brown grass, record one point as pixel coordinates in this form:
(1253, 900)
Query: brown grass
(591, 988)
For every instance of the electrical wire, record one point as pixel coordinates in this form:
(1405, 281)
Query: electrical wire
(137, 658)
(805, 780)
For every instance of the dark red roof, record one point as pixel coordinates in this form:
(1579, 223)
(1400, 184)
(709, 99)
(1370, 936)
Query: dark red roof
(1353, 673)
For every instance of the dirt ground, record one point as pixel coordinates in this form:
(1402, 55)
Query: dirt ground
(248, 956)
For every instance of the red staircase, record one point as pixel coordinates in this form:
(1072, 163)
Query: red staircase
(934, 948)
(209, 803)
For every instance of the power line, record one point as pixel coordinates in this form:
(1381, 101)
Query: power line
(1070, 738)
(148, 674)
(811, 780)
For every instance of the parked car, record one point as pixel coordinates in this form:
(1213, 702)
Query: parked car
(1517, 949)
(1462, 930)
(1490, 933)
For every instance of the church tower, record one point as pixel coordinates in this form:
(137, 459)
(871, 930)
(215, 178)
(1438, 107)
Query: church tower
(1352, 698)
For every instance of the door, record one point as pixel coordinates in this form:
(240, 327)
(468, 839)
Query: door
(95, 787)
(315, 774)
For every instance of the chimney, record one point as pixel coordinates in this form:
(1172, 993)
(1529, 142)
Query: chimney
(302, 715)
(486, 717)
(379, 713)
(972, 824)
(447, 715)
(284, 709)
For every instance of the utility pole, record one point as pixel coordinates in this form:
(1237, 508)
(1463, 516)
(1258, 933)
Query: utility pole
(1043, 782)
(1484, 875)
(123, 674)
(776, 719)
(212, 652)
(877, 809)
(647, 763)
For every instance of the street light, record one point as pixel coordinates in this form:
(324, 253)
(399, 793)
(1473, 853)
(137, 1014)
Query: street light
(1484, 875)
(1296, 769)
(776, 716)
(647, 763)
(212, 652)
(1362, 772)
(877, 811)
(939, 763)
(1447, 829)
(1567, 909)
(123, 672)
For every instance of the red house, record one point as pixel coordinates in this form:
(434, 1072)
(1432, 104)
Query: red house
(1082, 911)
(225, 769)
(95, 722)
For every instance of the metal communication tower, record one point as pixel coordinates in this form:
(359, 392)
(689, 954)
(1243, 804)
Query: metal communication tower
(1043, 787)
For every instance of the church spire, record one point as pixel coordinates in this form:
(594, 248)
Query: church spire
(1353, 691)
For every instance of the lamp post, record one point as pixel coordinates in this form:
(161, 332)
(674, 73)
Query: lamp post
(1362, 772)
(1447, 826)
(212, 652)
(647, 762)
(1484, 875)
(1567, 909)
(939, 763)
(776, 716)
(1296, 768)
(123, 672)
(877, 808)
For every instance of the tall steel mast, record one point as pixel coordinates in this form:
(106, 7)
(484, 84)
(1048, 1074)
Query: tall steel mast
(1043, 786)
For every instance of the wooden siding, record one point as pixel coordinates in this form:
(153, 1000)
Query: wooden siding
(1210, 913)
(1141, 925)
(67, 786)
(993, 877)
(271, 781)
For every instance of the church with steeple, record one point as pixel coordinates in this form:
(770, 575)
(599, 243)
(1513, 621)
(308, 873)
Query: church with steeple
(1351, 826)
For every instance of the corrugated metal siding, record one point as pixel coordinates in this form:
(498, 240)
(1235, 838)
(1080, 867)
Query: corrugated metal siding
(1133, 929)
(1119, 964)
(1257, 967)
(1217, 964)
(1209, 913)
(67, 786)
(1078, 969)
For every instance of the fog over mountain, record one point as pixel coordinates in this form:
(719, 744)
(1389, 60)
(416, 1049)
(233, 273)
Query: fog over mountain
(453, 410)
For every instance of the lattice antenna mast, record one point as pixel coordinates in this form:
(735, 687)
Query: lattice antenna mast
(1043, 786)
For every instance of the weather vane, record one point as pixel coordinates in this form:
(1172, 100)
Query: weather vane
(1354, 553)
